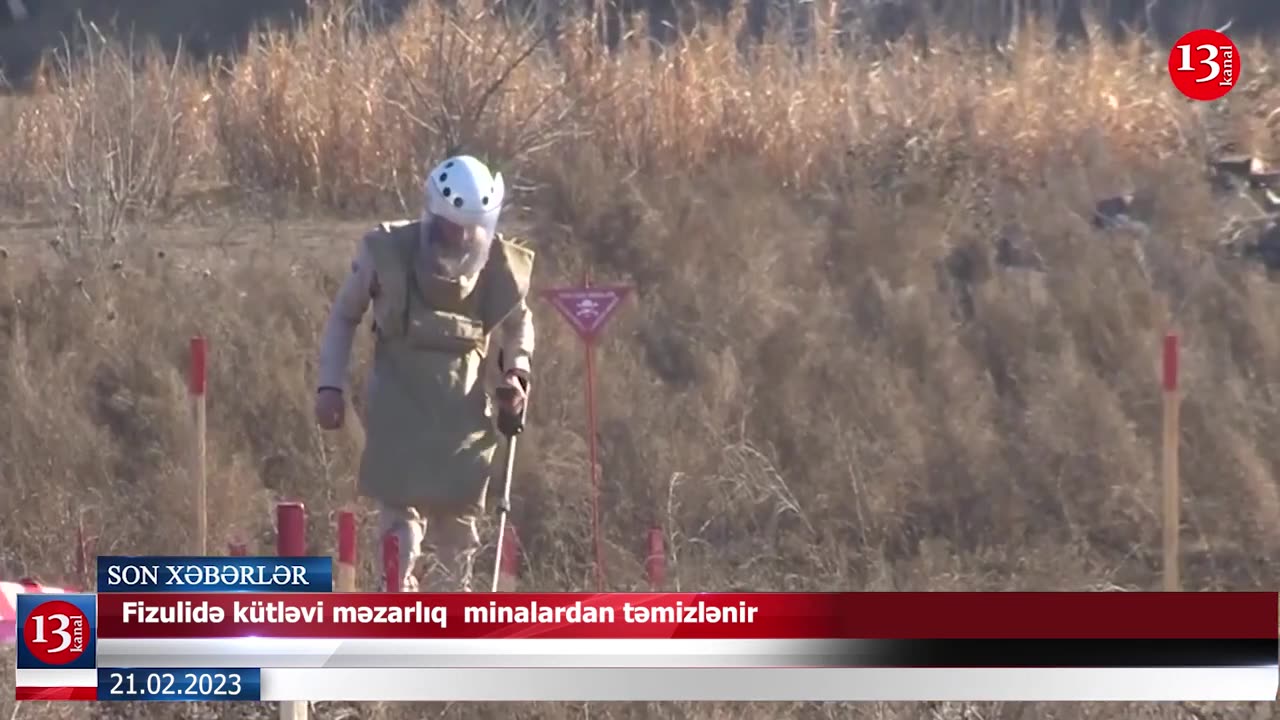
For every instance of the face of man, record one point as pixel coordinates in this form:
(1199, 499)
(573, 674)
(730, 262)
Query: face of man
(454, 251)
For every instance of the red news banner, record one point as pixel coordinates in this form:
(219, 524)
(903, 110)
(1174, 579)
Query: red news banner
(1111, 615)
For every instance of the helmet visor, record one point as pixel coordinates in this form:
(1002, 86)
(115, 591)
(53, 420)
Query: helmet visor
(454, 250)
(447, 233)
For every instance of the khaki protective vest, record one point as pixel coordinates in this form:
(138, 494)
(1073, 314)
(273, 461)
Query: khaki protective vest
(430, 435)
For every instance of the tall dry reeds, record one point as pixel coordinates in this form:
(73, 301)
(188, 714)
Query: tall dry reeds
(830, 377)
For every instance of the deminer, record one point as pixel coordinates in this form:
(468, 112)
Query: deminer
(451, 325)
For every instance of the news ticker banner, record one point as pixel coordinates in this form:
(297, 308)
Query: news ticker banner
(256, 636)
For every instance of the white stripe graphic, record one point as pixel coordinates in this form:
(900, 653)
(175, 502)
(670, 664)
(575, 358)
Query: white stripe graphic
(45, 677)
(764, 685)
(481, 653)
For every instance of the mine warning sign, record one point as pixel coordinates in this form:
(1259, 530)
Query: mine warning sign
(587, 308)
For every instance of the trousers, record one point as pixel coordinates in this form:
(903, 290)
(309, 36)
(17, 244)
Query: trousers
(451, 536)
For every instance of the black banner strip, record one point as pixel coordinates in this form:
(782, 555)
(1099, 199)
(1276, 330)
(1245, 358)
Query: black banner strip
(1071, 653)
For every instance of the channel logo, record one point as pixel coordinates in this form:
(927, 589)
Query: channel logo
(57, 632)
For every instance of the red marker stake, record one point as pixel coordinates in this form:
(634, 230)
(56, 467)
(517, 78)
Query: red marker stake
(196, 387)
(291, 541)
(595, 468)
(291, 529)
(391, 572)
(509, 568)
(656, 562)
(1169, 464)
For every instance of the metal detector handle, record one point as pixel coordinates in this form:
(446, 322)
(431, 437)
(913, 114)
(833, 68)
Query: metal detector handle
(508, 424)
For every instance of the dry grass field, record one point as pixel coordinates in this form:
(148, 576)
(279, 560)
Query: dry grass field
(878, 340)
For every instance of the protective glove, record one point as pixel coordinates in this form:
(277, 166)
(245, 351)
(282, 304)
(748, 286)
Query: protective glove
(331, 408)
(511, 397)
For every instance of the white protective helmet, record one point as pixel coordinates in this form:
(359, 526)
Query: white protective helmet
(463, 191)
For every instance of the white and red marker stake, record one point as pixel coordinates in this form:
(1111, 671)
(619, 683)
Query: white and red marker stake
(196, 388)
(291, 541)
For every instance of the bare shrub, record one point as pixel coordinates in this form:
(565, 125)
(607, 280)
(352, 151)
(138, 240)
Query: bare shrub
(114, 143)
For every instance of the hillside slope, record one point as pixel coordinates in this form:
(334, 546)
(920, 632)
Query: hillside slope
(881, 339)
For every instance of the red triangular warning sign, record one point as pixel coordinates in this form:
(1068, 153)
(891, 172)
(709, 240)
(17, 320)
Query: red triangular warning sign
(587, 308)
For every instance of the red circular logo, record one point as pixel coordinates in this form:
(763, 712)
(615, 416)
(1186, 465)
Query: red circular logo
(1204, 65)
(56, 632)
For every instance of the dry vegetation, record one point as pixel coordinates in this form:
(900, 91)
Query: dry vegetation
(828, 380)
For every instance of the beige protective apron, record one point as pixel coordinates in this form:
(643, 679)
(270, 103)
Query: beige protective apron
(430, 436)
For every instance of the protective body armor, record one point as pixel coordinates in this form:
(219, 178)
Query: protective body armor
(430, 436)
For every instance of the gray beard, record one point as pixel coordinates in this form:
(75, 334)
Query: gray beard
(453, 263)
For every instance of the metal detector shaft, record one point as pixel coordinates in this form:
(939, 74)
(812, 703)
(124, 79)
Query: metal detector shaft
(504, 507)
(504, 502)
